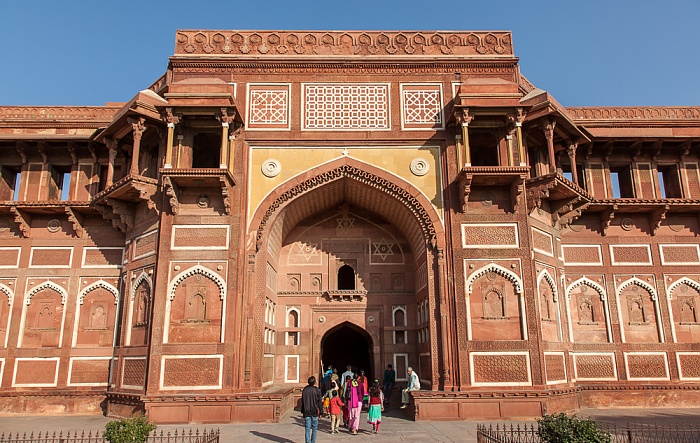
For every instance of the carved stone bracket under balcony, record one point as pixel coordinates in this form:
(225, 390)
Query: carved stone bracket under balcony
(174, 180)
(23, 220)
(656, 210)
(512, 177)
(76, 220)
(118, 203)
(23, 213)
(567, 201)
(346, 295)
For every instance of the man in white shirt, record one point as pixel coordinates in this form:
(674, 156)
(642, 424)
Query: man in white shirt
(413, 385)
(344, 376)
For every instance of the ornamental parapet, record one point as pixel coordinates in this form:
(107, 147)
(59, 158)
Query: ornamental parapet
(618, 113)
(97, 114)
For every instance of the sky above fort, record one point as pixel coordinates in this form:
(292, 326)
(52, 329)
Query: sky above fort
(585, 53)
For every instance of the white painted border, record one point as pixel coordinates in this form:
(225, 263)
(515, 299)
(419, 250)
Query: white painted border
(388, 105)
(574, 356)
(600, 255)
(551, 242)
(680, 368)
(269, 382)
(651, 290)
(31, 257)
(100, 282)
(145, 376)
(289, 107)
(10, 302)
(618, 263)
(220, 357)
(403, 110)
(27, 301)
(19, 253)
(2, 369)
(287, 358)
(663, 256)
(135, 245)
(199, 227)
(70, 371)
(502, 246)
(627, 368)
(35, 385)
(401, 377)
(86, 248)
(566, 372)
(527, 360)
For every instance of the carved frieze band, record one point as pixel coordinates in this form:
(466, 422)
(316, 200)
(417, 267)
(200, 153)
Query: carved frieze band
(73, 113)
(274, 44)
(636, 113)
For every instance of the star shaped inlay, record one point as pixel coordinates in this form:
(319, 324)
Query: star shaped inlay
(383, 248)
(345, 223)
(307, 250)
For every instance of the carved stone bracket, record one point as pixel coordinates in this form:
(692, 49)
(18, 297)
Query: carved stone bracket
(606, 218)
(346, 295)
(657, 217)
(465, 186)
(123, 210)
(571, 216)
(77, 220)
(171, 192)
(22, 151)
(23, 220)
(512, 178)
(108, 214)
(535, 195)
(225, 194)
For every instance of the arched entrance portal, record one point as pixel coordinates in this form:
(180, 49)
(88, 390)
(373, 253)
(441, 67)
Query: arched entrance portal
(347, 344)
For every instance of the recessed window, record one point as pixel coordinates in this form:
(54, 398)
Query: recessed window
(59, 185)
(669, 181)
(621, 181)
(346, 278)
(483, 147)
(206, 150)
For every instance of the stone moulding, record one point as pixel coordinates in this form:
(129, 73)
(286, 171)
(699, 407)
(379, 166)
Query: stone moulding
(344, 43)
(48, 284)
(635, 113)
(97, 285)
(70, 113)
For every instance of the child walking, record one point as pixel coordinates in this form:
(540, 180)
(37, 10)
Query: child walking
(376, 406)
(335, 408)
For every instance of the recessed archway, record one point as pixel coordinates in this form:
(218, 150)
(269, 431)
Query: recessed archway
(347, 344)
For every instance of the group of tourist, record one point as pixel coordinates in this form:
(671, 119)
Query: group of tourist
(344, 397)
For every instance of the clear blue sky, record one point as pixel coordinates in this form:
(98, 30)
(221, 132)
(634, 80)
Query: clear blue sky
(586, 52)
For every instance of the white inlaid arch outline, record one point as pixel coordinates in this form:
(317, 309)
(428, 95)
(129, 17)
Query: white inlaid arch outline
(636, 281)
(500, 270)
(10, 297)
(683, 280)
(197, 269)
(143, 277)
(99, 284)
(601, 292)
(654, 298)
(48, 284)
(555, 296)
(286, 317)
(588, 282)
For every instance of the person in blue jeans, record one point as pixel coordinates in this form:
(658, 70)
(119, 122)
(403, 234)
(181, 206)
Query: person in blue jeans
(311, 403)
(389, 380)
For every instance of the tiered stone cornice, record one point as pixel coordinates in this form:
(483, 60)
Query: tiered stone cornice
(634, 114)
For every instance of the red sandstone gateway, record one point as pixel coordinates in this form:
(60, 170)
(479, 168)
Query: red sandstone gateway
(278, 202)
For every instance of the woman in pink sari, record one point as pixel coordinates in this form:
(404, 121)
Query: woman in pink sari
(354, 393)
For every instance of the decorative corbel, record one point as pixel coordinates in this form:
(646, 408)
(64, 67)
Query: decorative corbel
(108, 214)
(606, 218)
(657, 217)
(41, 147)
(685, 150)
(516, 192)
(93, 152)
(77, 221)
(73, 153)
(23, 220)
(123, 210)
(22, 151)
(465, 186)
(568, 218)
(656, 150)
(225, 195)
(536, 194)
(608, 150)
(171, 192)
(637, 147)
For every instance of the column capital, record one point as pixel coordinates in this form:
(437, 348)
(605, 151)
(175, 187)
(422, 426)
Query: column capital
(462, 116)
(571, 146)
(138, 126)
(226, 117)
(171, 118)
(548, 128)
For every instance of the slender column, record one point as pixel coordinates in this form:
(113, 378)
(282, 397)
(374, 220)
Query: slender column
(519, 133)
(172, 120)
(458, 142)
(231, 150)
(464, 118)
(112, 148)
(138, 127)
(548, 129)
(226, 120)
(444, 324)
(571, 150)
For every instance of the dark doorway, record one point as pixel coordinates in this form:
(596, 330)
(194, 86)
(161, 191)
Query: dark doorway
(206, 150)
(346, 278)
(347, 344)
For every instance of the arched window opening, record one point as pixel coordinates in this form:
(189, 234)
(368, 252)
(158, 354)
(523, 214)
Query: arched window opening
(206, 150)
(399, 317)
(196, 308)
(293, 318)
(346, 278)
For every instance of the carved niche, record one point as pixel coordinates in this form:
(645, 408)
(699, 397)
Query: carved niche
(638, 316)
(195, 313)
(587, 311)
(140, 316)
(97, 316)
(43, 319)
(495, 310)
(685, 301)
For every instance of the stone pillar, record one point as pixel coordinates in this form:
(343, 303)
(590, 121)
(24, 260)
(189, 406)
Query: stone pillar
(464, 118)
(519, 133)
(458, 143)
(172, 120)
(226, 120)
(548, 129)
(231, 150)
(138, 127)
(571, 150)
(112, 148)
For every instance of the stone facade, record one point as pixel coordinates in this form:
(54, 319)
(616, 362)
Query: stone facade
(281, 201)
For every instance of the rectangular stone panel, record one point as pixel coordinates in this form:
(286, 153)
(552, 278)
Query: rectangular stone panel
(688, 365)
(145, 244)
(680, 254)
(346, 106)
(200, 237)
(89, 372)
(291, 368)
(102, 257)
(595, 366)
(582, 255)
(596, 180)
(134, 372)
(191, 372)
(9, 257)
(630, 255)
(542, 242)
(36, 372)
(421, 106)
(693, 174)
(555, 366)
(51, 257)
(211, 414)
(500, 369)
(646, 366)
(490, 235)
(646, 180)
(268, 106)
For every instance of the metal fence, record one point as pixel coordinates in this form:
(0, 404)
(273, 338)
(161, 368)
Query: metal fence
(630, 433)
(182, 436)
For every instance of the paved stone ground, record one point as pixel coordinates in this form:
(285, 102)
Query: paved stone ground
(395, 427)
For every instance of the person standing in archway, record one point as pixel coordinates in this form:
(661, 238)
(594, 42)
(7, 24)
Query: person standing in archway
(354, 394)
(413, 385)
(365, 385)
(388, 381)
(311, 402)
(347, 373)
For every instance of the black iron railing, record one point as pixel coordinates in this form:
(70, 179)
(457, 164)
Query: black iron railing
(177, 436)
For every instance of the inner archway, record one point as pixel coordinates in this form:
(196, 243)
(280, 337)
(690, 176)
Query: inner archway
(345, 345)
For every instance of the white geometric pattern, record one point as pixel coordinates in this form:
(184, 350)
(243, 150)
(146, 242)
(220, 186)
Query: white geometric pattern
(422, 107)
(360, 106)
(268, 107)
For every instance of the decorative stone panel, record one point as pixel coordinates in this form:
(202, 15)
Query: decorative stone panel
(145, 244)
(582, 255)
(191, 372)
(59, 257)
(693, 174)
(200, 237)
(268, 106)
(346, 106)
(291, 369)
(500, 369)
(597, 184)
(555, 367)
(421, 106)
(490, 235)
(35, 372)
(88, 371)
(134, 372)
(9, 257)
(102, 257)
(630, 255)
(688, 365)
(594, 366)
(677, 254)
(646, 181)
(646, 366)
(542, 242)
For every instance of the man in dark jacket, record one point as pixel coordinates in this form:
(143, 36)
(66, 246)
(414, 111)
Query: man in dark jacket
(311, 402)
